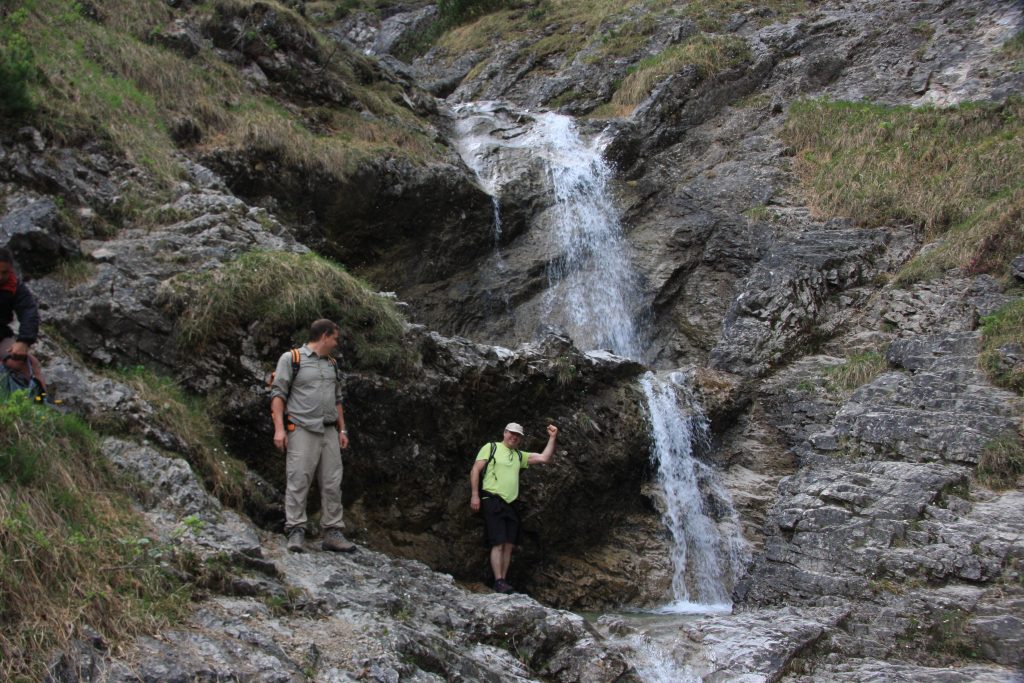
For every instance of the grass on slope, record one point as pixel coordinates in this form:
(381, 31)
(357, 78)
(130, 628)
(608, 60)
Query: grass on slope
(1003, 328)
(709, 54)
(106, 77)
(955, 173)
(604, 30)
(72, 553)
(286, 292)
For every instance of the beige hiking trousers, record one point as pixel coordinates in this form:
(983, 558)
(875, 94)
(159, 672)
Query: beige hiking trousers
(311, 454)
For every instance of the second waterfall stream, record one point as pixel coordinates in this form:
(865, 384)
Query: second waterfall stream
(593, 296)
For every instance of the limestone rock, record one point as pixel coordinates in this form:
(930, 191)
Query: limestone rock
(36, 233)
(784, 296)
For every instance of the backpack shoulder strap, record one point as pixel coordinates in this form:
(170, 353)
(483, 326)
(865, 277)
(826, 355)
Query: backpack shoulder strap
(296, 362)
(490, 459)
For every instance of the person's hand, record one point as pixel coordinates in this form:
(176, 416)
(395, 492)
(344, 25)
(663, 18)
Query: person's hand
(552, 431)
(343, 440)
(280, 439)
(474, 503)
(19, 350)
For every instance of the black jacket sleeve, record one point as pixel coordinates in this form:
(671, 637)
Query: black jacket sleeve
(27, 310)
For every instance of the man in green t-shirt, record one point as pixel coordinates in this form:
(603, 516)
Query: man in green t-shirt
(494, 495)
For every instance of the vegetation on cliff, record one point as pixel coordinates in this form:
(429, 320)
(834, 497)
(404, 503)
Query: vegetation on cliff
(111, 72)
(1004, 330)
(193, 418)
(954, 172)
(710, 54)
(73, 555)
(655, 38)
(284, 292)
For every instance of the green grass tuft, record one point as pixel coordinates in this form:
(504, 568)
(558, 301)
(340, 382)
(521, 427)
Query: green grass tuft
(285, 292)
(1004, 328)
(1002, 462)
(858, 370)
(955, 173)
(72, 553)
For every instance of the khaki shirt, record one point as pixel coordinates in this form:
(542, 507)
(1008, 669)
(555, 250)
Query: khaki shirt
(315, 392)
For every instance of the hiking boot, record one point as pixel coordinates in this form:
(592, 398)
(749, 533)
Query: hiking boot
(503, 586)
(336, 542)
(296, 538)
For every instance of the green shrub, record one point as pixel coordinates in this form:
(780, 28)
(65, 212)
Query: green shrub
(284, 293)
(17, 63)
(71, 550)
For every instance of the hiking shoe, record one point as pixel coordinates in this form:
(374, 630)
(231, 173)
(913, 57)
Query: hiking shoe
(503, 586)
(336, 542)
(296, 538)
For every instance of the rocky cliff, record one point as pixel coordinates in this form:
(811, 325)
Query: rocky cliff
(853, 421)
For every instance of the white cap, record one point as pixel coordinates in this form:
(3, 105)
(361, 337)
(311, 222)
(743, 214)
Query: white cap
(514, 427)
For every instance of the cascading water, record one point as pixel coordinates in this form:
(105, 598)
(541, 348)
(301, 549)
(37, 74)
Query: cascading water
(593, 297)
(705, 560)
(592, 280)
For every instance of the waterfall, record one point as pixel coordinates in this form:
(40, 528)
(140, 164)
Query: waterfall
(592, 286)
(705, 561)
(593, 295)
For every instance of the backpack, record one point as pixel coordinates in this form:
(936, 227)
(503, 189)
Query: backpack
(11, 382)
(490, 459)
(296, 362)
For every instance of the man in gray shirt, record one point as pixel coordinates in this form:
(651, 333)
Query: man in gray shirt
(310, 425)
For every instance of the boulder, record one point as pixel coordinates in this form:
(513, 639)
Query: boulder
(36, 232)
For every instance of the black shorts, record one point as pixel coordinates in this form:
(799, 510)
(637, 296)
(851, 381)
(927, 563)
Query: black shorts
(501, 521)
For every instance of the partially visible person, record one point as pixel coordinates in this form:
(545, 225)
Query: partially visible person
(16, 299)
(309, 424)
(494, 480)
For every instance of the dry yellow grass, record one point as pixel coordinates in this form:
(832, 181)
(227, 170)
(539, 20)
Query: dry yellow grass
(709, 54)
(955, 173)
